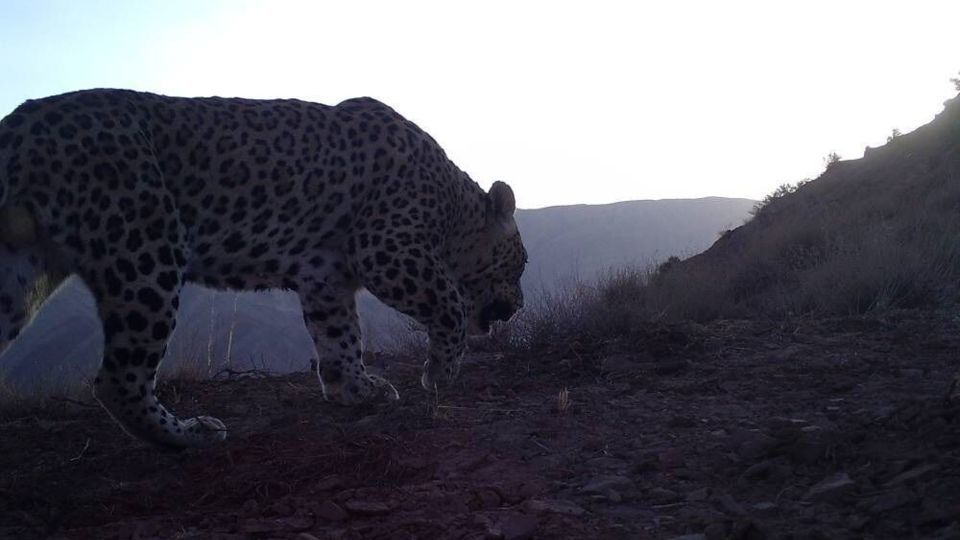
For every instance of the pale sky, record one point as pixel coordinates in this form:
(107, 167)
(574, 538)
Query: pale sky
(587, 102)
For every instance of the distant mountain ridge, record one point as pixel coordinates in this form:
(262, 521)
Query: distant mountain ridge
(587, 239)
(266, 330)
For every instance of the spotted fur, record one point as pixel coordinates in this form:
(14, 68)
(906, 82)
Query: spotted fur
(137, 194)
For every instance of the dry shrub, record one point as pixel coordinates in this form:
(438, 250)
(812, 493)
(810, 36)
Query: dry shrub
(872, 275)
(611, 306)
(61, 384)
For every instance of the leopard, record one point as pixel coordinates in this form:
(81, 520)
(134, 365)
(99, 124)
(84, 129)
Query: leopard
(135, 194)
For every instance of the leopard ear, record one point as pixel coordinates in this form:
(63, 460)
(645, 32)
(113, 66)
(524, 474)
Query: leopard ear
(501, 205)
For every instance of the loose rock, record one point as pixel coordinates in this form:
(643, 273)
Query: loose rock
(890, 501)
(660, 495)
(671, 458)
(753, 445)
(730, 505)
(330, 511)
(366, 508)
(810, 445)
(917, 473)
(518, 526)
(602, 484)
(488, 498)
(765, 507)
(555, 506)
(830, 488)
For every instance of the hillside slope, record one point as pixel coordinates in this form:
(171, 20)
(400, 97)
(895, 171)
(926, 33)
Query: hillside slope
(843, 429)
(868, 234)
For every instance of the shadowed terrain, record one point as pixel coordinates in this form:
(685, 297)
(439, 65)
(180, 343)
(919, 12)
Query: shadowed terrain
(840, 428)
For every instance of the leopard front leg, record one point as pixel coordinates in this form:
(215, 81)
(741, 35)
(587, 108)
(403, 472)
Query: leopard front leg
(332, 322)
(413, 281)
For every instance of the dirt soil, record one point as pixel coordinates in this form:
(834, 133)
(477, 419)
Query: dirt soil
(844, 428)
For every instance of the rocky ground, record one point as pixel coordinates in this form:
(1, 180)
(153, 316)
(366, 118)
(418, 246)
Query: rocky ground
(844, 428)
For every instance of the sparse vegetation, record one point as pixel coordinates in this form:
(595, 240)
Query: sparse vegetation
(608, 308)
(831, 159)
(53, 387)
(563, 401)
(671, 262)
(782, 191)
(893, 135)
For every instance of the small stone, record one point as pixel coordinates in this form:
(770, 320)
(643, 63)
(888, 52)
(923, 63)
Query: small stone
(614, 496)
(554, 506)
(645, 463)
(330, 511)
(601, 484)
(882, 414)
(769, 469)
(936, 510)
(328, 483)
(620, 364)
(295, 523)
(606, 463)
(701, 476)
(671, 458)
(748, 529)
(670, 367)
(830, 488)
(250, 506)
(661, 495)
(488, 498)
(262, 526)
(681, 422)
(730, 505)
(256, 526)
(783, 428)
(518, 526)
(758, 470)
(280, 508)
(950, 532)
(715, 531)
(527, 490)
(857, 522)
(765, 507)
(698, 495)
(893, 500)
(810, 445)
(753, 445)
(366, 508)
(917, 473)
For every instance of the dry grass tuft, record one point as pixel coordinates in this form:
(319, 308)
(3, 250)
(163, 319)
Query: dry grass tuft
(563, 401)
